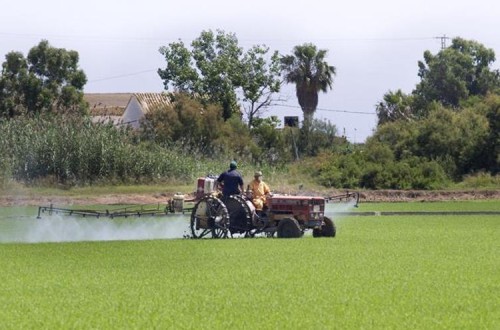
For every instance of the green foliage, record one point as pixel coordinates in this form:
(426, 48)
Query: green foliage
(235, 139)
(396, 106)
(259, 80)
(217, 67)
(207, 71)
(275, 147)
(75, 151)
(48, 80)
(202, 131)
(456, 73)
(456, 135)
(187, 123)
(448, 128)
(487, 155)
(374, 167)
(318, 136)
(480, 180)
(462, 141)
(338, 171)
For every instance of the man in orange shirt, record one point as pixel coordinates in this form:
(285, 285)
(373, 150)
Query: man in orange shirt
(259, 190)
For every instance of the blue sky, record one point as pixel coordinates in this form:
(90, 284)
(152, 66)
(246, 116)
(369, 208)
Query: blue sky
(375, 45)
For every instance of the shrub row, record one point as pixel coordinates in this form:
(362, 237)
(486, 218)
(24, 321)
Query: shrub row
(359, 170)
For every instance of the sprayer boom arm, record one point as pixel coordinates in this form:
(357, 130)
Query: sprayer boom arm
(344, 197)
(135, 211)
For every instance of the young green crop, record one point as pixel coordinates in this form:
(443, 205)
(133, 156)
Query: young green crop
(444, 206)
(415, 272)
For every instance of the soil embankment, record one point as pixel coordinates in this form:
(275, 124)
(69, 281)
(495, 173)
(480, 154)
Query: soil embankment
(162, 198)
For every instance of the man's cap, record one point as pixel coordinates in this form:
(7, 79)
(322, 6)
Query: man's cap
(258, 173)
(233, 164)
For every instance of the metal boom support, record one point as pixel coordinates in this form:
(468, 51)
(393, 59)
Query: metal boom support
(131, 211)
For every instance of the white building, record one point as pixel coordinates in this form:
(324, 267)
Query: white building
(140, 104)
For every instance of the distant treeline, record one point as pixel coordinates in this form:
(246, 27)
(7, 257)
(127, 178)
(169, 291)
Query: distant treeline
(179, 144)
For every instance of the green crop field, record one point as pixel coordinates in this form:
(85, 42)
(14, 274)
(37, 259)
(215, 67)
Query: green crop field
(394, 272)
(446, 206)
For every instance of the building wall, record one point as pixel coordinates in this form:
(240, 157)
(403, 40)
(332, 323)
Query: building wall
(133, 113)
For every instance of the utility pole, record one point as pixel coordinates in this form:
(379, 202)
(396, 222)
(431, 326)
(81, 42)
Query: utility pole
(443, 40)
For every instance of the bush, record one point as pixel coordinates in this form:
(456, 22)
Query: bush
(339, 171)
(481, 180)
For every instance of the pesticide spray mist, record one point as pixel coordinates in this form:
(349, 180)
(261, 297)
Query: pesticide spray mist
(338, 211)
(58, 228)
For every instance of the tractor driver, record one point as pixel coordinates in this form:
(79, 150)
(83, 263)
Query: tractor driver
(259, 190)
(232, 180)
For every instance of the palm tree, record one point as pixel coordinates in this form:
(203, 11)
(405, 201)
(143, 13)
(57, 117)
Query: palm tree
(310, 73)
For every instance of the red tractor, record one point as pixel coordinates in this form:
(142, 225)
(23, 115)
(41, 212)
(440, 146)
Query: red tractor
(287, 216)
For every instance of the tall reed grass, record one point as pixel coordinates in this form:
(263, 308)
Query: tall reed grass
(73, 151)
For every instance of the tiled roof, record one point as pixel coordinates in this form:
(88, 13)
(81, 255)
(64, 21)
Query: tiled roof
(114, 104)
(151, 101)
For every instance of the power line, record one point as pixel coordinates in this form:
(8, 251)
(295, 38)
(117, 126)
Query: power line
(83, 37)
(122, 75)
(190, 38)
(330, 110)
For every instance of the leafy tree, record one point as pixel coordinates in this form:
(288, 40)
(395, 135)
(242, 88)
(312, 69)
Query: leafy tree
(395, 106)
(400, 136)
(48, 80)
(185, 122)
(455, 73)
(216, 69)
(273, 144)
(455, 139)
(487, 151)
(321, 136)
(308, 70)
(207, 71)
(446, 133)
(235, 139)
(260, 80)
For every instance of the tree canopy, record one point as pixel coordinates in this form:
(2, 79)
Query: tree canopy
(455, 73)
(260, 80)
(395, 106)
(216, 69)
(451, 117)
(47, 80)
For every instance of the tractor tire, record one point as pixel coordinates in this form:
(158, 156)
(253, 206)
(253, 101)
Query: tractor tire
(209, 218)
(289, 228)
(317, 232)
(328, 229)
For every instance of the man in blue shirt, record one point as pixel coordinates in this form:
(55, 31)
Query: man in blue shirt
(232, 180)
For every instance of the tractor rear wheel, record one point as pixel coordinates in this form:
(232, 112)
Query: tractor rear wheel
(209, 217)
(241, 214)
(289, 228)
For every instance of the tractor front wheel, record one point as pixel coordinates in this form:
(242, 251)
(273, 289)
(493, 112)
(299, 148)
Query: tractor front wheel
(328, 229)
(289, 228)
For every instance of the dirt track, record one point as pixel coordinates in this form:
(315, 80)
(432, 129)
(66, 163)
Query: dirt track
(365, 196)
